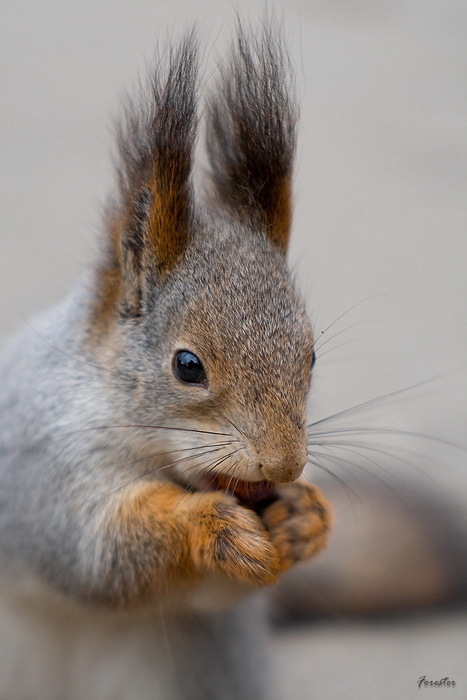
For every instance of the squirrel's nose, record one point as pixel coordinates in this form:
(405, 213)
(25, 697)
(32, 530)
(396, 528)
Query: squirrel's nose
(281, 469)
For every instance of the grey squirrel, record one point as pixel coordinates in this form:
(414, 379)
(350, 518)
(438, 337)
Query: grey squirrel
(154, 424)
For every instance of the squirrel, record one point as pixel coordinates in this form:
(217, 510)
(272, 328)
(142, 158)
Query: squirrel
(153, 425)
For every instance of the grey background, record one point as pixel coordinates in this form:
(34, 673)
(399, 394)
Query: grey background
(380, 222)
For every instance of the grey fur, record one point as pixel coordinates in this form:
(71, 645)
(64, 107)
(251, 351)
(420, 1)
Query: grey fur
(67, 389)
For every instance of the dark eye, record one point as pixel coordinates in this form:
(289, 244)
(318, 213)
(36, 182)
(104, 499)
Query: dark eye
(313, 359)
(188, 368)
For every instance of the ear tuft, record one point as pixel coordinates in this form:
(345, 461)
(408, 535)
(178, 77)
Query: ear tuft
(251, 134)
(156, 144)
(150, 223)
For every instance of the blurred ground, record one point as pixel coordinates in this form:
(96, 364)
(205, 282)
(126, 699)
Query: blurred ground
(380, 223)
(373, 660)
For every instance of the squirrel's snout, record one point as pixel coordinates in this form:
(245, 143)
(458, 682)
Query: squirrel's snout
(280, 454)
(284, 468)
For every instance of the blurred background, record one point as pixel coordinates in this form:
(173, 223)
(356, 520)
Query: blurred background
(379, 250)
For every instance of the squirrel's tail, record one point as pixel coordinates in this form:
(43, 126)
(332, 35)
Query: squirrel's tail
(390, 552)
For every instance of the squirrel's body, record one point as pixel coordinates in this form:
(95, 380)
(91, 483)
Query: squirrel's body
(53, 647)
(151, 423)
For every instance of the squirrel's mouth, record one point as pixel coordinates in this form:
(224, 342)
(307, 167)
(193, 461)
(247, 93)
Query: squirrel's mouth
(255, 495)
(250, 494)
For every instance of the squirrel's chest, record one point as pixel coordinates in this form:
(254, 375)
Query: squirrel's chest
(58, 648)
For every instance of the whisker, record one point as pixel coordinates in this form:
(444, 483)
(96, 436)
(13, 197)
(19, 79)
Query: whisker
(388, 431)
(359, 303)
(231, 469)
(320, 346)
(379, 399)
(209, 447)
(387, 453)
(152, 471)
(438, 484)
(232, 477)
(330, 473)
(341, 446)
(153, 427)
(320, 355)
(405, 450)
(236, 427)
(164, 483)
(338, 461)
(342, 461)
(44, 438)
(185, 449)
(214, 465)
(177, 503)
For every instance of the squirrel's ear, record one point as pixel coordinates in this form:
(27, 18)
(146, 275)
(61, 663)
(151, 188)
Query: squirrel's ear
(251, 135)
(150, 225)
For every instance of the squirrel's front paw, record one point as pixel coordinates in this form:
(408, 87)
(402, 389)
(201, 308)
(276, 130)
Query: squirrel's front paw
(298, 522)
(232, 539)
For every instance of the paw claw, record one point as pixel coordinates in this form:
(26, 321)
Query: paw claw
(234, 540)
(298, 522)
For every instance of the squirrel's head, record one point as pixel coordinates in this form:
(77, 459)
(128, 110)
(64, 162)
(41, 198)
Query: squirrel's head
(195, 298)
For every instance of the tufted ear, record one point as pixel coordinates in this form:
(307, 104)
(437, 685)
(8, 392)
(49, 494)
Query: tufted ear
(150, 225)
(251, 135)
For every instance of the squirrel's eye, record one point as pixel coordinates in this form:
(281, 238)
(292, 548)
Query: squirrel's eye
(188, 368)
(313, 359)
